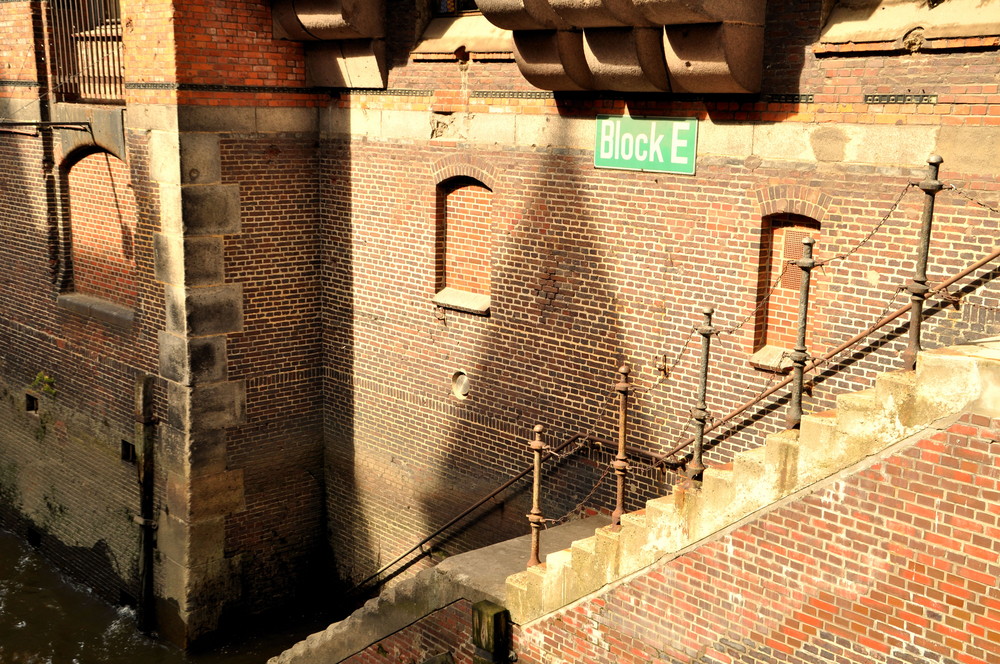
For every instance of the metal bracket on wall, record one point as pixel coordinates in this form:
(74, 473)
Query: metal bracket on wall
(79, 126)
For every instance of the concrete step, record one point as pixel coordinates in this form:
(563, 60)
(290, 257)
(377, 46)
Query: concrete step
(818, 446)
(781, 454)
(896, 388)
(638, 547)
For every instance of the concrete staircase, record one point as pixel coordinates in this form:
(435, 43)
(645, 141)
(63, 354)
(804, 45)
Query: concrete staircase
(946, 382)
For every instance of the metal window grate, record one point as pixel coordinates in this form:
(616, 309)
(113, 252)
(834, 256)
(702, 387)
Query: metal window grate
(87, 50)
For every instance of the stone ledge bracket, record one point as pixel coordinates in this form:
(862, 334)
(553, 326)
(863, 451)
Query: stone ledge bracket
(345, 39)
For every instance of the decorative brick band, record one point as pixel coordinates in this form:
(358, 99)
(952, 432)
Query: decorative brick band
(387, 92)
(793, 199)
(497, 94)
(17, 84)
(206, 87)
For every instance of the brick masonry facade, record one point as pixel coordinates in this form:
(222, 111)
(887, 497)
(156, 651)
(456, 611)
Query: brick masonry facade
(288, 246)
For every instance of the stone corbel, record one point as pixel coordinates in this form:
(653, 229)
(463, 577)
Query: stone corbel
(626, 59)
(346, 39)
(695, 46)
(553, 59)
(677, 12)
(714, 58)
(521, 15)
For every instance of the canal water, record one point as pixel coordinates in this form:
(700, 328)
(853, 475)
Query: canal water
(45, 619)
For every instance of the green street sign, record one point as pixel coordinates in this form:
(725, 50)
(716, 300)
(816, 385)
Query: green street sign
(665, 145)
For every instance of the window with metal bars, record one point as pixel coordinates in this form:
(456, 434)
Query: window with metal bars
(86, 50)
(454, 7)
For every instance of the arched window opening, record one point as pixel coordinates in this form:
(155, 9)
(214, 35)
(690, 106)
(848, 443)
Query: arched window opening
(102, 227)
(463, 255)
(778, 286)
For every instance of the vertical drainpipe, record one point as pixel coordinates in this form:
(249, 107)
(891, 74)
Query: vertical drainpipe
(145, 434)
(43, 63)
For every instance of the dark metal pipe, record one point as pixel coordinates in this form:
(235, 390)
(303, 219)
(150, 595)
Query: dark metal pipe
(145, 432)
(695, 468)
(799, 354)
(918, 287)
(620, 463)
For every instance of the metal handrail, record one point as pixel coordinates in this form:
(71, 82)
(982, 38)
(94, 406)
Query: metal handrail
(817, 362)
(581, 439)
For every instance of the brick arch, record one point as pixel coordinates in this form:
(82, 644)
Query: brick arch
(464, 166)
(793, 199)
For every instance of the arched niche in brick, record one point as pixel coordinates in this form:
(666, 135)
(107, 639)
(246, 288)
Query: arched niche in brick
(98, 220)
(789, 214)
(463, 252)
(778, 287)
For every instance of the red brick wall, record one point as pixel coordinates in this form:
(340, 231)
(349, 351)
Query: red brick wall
(275, 259)
(468, 237)
(895, 563)
(17, 51)
(446, 630)
(579, 284)
(102, 220)
(62, 475)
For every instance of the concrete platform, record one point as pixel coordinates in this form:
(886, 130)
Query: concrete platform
(486, 570)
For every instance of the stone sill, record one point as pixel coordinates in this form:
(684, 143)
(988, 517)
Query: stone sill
(772, 358)
(459, 300)
(98, 309)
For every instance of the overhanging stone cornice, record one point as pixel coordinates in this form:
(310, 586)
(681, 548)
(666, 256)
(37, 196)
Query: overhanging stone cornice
(700, 46)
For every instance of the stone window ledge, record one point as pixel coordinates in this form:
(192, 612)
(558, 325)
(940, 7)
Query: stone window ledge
(772, 358)
(459, 300)
(98, 309)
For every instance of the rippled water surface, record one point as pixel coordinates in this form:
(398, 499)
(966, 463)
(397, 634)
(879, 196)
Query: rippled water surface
(45, 619)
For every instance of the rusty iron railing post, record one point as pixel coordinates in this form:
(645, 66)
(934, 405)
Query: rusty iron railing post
(696, 466)
(918, 286)
(620, 464)
(799, 354)
(535, 517)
